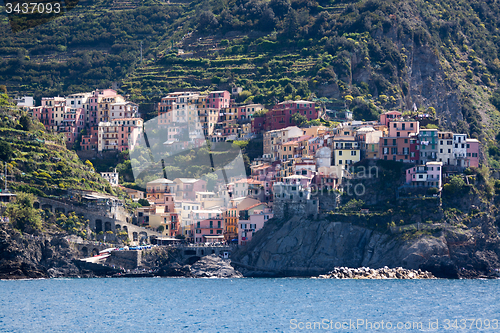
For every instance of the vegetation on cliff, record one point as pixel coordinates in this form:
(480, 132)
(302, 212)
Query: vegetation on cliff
(367, 55)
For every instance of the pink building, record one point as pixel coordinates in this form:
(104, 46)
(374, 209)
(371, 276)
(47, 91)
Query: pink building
(251, 220)
(97, 109)
(186, 188)
(119, 134)
(388, 116)
(52, 112)
(325, 181)
(403, 128)
(207, 227)
(472, 152)
(71, 125)
(428, 175)
(219, 99)
(90, 141)
(280, 116)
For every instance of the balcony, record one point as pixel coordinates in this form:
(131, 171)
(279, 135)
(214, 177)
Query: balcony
(160, 191)
(432, 179)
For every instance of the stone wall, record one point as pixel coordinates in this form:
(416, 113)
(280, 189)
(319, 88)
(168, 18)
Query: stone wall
(125, 259)
(285, 208)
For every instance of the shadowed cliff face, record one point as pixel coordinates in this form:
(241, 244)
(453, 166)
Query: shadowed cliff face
(300, 247)
(26, 256)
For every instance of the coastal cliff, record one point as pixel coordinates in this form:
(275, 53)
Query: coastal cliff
(28, 256)
(304, 247)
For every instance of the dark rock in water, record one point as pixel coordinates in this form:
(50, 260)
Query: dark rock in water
(214, 267)
(207, 267)
(174, 269)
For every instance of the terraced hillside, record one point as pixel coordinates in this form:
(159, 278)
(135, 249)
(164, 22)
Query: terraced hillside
(38, 162)
(368, 55)
(91, 46)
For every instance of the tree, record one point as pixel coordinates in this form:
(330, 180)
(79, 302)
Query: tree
(160, 229)
(291, 25)
(3, 89)
(143, 202)
(455, 186)
(298, 119)
(6, 152)
(211, 179)
(290, 89)
(314, 122)
(280, 7)
(267, 20)
(25, 123)
(23, 215)
(207, 21)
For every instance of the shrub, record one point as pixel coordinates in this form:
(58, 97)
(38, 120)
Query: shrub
(143, 202)
(22, 214)
(433, 190)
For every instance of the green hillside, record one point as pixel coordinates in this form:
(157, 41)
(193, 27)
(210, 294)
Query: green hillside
(369, 55)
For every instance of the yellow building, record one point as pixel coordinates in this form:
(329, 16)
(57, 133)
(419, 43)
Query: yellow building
(345, 151)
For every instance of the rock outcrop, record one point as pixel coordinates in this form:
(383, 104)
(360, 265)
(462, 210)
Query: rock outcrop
(377, 274)
(302, 247)
(207, 267)
(26, 256)
(213, 266)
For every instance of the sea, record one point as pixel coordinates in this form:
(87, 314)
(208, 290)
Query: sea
(248, 305)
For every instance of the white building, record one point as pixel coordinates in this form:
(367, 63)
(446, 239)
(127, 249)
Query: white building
(111, 177)
(460, 149)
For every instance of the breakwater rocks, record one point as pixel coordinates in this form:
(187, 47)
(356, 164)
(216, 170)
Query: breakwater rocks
(376, 274)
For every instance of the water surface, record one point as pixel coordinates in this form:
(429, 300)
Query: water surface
(245, 305)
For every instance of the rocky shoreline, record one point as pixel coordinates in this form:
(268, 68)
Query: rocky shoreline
(207, 267)
(377, 274)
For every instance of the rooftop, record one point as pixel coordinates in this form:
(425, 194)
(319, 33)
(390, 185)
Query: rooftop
(161, 181)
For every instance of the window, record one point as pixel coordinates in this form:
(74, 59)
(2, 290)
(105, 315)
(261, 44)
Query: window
(353, 153)
(340, 152)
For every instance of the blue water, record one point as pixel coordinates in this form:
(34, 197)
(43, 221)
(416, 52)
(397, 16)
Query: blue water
(245, 305)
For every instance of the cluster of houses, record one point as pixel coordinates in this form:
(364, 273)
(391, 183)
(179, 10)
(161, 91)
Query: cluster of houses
(183, 206)
(296, 162)
(102, 119)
